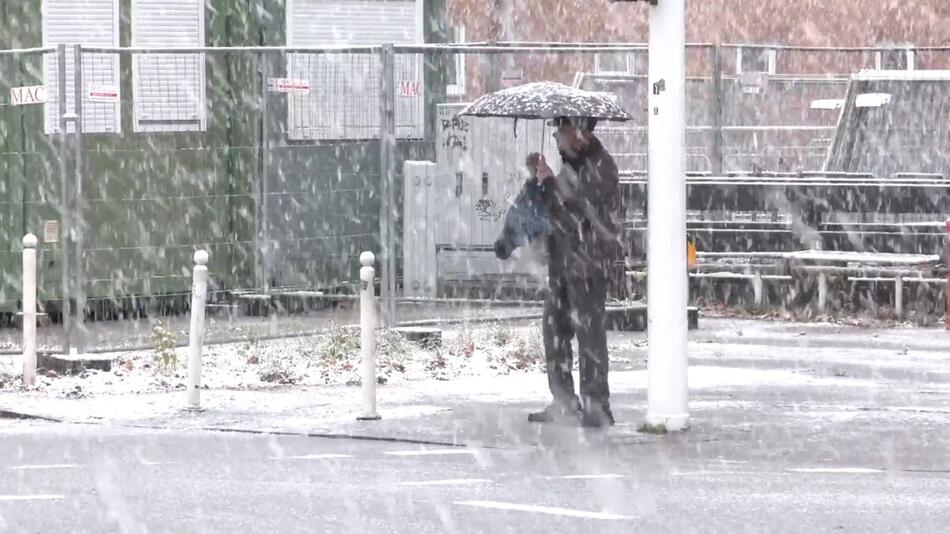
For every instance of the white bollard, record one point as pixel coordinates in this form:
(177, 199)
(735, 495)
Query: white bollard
(822, 292)
(199, 294)
(29, 309)
(368, 336)
(758, 289)
(899, 296)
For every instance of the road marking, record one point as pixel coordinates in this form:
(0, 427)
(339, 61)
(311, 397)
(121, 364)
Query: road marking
(447, 482)
(838, 470)
(313, 457)
(432, 452)
(10, 498)
(589, 477)
(548, 510)
(718, 472)
(42, 466)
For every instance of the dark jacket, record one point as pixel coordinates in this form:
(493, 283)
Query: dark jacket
(581, 202)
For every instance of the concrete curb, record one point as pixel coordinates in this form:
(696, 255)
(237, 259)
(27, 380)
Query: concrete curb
(9, 414)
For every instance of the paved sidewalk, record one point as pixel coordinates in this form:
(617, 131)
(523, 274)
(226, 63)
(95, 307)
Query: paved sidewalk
(827, 335)
(754, 415)
(879, 405)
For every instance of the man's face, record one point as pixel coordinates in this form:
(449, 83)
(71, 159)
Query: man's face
(571, 140)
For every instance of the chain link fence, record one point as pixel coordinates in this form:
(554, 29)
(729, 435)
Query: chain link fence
(33, 169)
(286, 163)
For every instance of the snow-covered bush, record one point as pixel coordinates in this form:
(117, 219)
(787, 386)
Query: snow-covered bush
(166, 357)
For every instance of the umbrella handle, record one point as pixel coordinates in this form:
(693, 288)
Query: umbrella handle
(544, 137)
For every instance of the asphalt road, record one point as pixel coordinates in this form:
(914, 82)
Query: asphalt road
(87, 478)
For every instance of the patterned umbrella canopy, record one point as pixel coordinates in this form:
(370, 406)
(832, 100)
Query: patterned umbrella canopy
(547, 100)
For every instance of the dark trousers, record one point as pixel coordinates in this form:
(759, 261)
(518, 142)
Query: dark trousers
(576, 307)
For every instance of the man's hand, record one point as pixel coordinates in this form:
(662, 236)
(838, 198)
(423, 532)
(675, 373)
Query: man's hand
(539, 166)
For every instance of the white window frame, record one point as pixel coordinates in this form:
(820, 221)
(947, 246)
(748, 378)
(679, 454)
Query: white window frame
(910, 57)
(201, 120)
(413, 131)
(458, 86)
(630, 61)
(90, 120)
(771, 58)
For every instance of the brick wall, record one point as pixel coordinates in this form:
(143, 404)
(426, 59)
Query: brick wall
(844, 23)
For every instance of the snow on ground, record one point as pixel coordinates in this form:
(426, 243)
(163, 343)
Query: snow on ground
(329, 359)
(308, 407)
(635, 350)
(853, 333)
(309, 384)
(781, 353)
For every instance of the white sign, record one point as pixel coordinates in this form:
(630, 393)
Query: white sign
(512, 75)
(873, 100)
(104, 93)
(754, 83)
(35, 94)
(288, 85)
(829, 103)
(51, 231)
(410, 88)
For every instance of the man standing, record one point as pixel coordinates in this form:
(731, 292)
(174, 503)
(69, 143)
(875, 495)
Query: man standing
(583, 245)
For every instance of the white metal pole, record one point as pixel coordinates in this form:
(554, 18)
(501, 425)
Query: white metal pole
(368, 336)
(946, 262)
(758, 289)
(822, 292)
(29, 309)
(198, 299)
(899, 296)
(667, 282)
(66, 224)
(79, 222)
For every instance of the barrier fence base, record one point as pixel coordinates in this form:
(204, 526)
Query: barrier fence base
(634, 318)
(74, 363)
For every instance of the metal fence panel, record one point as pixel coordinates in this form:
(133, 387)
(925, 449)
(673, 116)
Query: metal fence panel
(31, 175)
(271, 157)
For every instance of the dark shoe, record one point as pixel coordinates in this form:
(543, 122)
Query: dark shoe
(555, 412)
(597, 417)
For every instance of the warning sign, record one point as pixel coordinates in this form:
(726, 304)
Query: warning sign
(288, 85)
(51, 231)
(104, 93)
(35, 94)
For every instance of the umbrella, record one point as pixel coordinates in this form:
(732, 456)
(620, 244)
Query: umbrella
(527, 219)
(547, 100)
